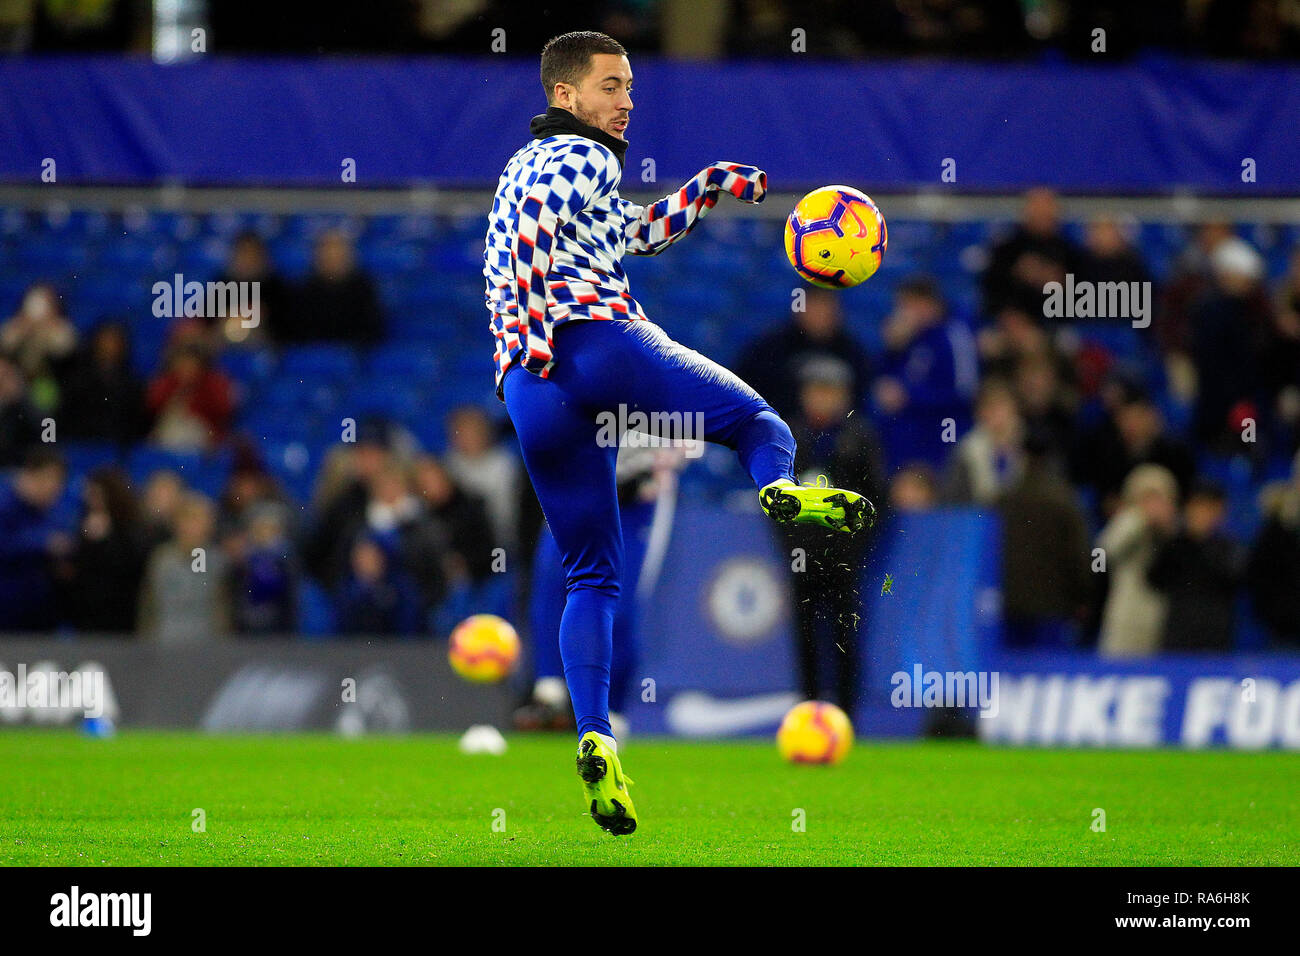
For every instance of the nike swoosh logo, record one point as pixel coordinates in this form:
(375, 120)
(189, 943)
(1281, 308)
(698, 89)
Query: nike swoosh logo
(696, 714)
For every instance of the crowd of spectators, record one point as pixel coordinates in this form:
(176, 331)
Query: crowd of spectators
(389, 534)
(1256, 29)
(1114, 533)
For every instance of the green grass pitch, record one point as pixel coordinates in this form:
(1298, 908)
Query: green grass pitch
(319, 800)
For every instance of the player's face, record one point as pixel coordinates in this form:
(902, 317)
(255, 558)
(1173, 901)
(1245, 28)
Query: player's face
(604, 97)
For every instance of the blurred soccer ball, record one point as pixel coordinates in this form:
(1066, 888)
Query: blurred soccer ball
(836, 237)
(483, 648)
(483, 739)
(815, 732)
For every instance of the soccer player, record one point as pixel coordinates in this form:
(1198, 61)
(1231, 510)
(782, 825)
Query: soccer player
(574, 348)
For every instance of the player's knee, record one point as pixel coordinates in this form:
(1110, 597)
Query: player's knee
(766, 427)
(605, 583)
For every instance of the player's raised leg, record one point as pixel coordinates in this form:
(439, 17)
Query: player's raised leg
(638, 366)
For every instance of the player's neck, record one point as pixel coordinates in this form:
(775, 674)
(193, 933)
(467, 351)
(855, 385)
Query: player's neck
(557, 120)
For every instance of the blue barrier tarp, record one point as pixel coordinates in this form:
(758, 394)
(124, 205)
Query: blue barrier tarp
(1153, 124)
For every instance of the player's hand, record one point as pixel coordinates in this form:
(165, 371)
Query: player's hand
(746, 183)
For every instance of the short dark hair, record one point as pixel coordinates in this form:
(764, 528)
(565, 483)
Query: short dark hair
(921, 286)
(39, 458)
(1208, 490)
(566, 58)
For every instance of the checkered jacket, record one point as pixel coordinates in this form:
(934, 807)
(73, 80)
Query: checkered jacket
(558, 232)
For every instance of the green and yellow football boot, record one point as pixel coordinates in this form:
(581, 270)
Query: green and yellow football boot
(604, 786)
(834, 508)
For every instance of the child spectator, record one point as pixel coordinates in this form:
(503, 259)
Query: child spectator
(990, 458)
(377, 597)
(185, 596)
(264, 574)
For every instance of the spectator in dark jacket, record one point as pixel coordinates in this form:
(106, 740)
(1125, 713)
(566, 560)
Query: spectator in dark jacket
(1109, 256)
(772, 364)
(1229, 325)
(1046, 404)
(1134, 435)
(20, 422)
(464, 518)
(251, 262)
(1199, 570)
(338, 302)
(102, 398)
(29, 541)
(99, 580)
(827, 565)
(1274, 569)
(1046, 581)
(409, 532)
(343, 488)
(929, 374)
(1036, 253)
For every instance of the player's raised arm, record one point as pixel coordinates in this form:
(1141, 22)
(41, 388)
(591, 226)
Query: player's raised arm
(652, 229)
(571, 180)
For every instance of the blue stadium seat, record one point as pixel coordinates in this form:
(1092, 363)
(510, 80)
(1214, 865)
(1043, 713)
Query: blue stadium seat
(205, 473)
(387, 256)
(331, 363)
(53, 256)
(406, 362)
(83, 457)
(250, 367)
(315, 610)
(293, 462)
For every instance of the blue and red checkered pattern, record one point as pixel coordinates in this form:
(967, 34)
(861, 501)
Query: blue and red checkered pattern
(558, 232)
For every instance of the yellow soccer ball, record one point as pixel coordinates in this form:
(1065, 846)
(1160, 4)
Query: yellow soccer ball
(483, 648)
(836, 237)
(815, 732)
